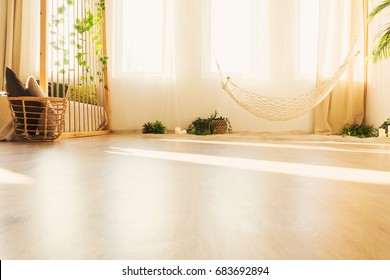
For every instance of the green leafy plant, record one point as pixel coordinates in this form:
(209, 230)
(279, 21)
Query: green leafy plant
(89, 26)
(358, 130)
(200, 126)
(385, 125)
(156, 127)
(381, 50)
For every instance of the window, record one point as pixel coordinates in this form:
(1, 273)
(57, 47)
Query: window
(231, 34)
(239, 37)
(139, 37)
(243, 40)
(308, 37)
(245, 36)
(142, 47)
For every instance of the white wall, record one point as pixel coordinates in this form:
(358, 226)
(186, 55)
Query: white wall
(378, 96)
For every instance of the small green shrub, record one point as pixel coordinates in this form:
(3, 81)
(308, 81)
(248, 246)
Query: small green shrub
(385, 124)
(155, 127)
(200, 127)
(358, 130)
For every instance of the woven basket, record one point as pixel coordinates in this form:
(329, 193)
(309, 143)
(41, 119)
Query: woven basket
(37, 118)
(219, 126)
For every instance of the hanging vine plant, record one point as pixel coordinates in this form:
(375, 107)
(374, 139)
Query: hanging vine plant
(89, 26)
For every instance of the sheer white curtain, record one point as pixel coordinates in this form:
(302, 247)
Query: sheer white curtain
(163, 58)
(341, 25)
(19, 37)
(141, 43)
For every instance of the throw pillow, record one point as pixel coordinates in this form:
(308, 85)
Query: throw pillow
(33, 88)
(14, 86)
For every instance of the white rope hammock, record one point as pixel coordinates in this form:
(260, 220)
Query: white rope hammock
(287, 108)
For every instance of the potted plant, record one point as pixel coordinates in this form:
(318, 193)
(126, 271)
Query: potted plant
(200, 126)
(219, 124)
(156, 127)
(358, 130)
(385, 125)
(381, 50)
(213, 125)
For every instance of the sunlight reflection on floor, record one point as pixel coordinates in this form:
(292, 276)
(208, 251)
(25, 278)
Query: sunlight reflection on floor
(283, 146)
(13, 178)
(296, 169)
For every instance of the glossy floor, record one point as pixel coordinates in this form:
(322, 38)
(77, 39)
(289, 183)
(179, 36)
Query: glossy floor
(166, 197)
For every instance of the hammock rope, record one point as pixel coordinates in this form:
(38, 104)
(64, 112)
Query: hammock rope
(283, 108)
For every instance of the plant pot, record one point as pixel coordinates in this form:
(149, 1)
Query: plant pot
(219, 126)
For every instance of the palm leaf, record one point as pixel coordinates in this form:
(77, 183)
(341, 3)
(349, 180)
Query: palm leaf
(381, 50)
(378, 9)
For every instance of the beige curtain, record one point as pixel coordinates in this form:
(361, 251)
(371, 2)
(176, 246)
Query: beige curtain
(10, 36)
(19, 38)
(341, 24)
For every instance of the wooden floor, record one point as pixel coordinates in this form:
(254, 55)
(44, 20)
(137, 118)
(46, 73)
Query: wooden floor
(151, 197)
